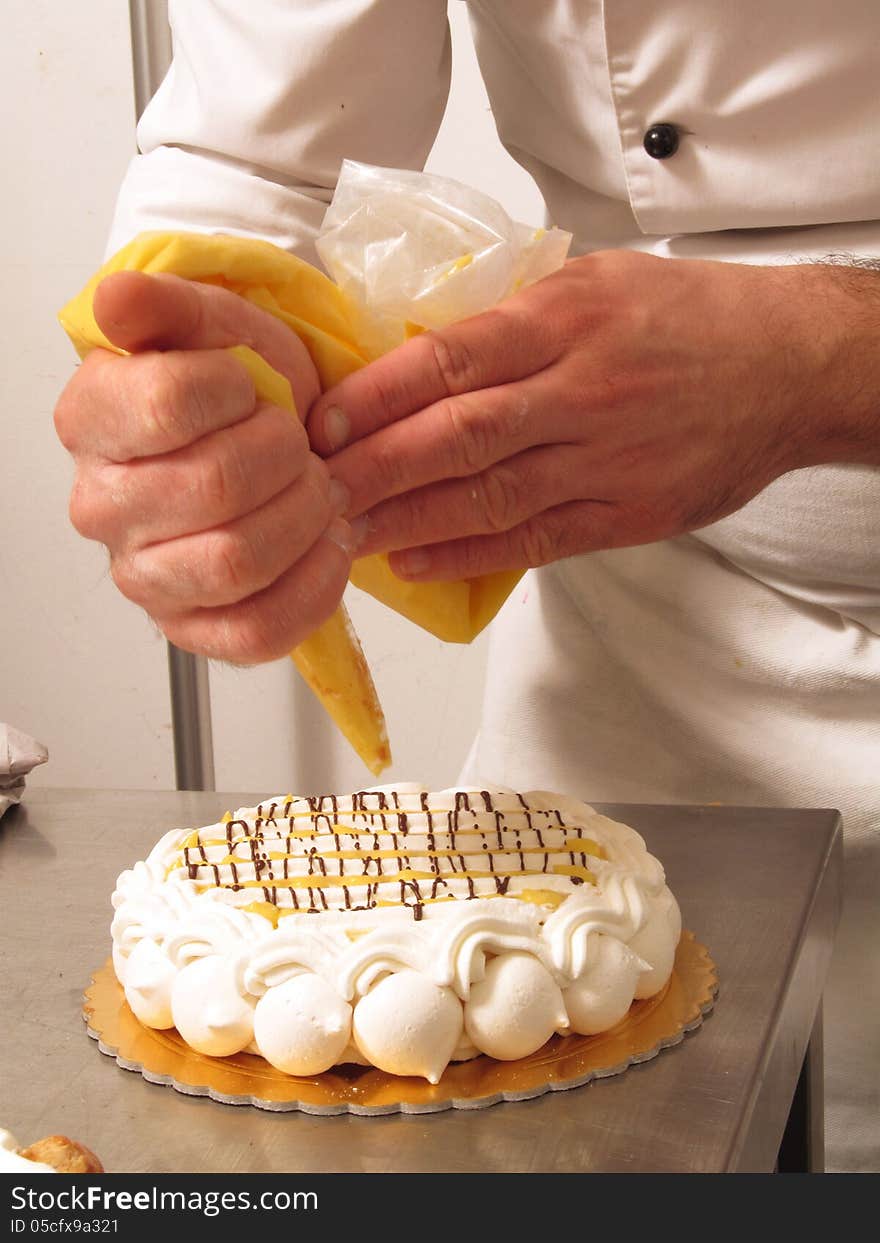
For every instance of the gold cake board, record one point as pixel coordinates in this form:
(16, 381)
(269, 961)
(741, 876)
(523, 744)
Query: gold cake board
(563, 1062)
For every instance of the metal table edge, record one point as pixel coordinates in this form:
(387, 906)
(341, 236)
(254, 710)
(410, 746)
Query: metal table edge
(755, 1146)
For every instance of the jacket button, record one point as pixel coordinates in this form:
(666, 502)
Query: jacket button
(661, 141)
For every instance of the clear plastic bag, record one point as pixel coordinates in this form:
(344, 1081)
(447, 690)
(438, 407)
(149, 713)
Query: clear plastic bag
(415, 250)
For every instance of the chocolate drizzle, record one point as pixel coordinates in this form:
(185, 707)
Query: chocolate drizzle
(321, 853)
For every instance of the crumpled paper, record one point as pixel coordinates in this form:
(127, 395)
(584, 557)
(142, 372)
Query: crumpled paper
(19, 753)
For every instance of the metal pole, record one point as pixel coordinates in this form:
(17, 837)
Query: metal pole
(187, 675)
(191, 720)
(150, 48)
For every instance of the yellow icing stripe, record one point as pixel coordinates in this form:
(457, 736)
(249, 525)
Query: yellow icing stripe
(390, 878)
(578, 844)
(268, 910)
(336, 882)
(537, 897)
(540, 897)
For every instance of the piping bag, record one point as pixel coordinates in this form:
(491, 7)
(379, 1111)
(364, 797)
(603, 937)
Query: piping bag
(406, 252)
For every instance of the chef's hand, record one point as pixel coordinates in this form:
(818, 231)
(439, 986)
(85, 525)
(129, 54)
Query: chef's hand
(219, 519)
(622, 400)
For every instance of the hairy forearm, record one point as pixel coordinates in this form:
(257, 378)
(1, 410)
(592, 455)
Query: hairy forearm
(841, 306)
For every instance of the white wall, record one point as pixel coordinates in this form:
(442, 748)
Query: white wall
(80, 668)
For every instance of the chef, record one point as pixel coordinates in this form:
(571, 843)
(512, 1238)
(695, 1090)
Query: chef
(680, 431)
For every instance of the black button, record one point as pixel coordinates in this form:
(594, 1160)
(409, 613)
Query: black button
(661, 141)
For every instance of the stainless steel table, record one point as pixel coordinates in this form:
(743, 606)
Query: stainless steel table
(762, 889)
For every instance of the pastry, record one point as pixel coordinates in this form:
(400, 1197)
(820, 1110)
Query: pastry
(56, 1154)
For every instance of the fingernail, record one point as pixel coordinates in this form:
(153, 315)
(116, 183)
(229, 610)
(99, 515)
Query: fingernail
(336, 427)
(340, 533)
(348, 535)
(340, 497)
(360, 529)
(412, 562)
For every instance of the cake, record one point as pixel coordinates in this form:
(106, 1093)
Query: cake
(394, 927)
(56, 1154)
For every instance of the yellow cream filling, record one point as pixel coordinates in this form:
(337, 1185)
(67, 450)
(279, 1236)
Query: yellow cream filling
(577, 845)
(537, 897)
(390, 878)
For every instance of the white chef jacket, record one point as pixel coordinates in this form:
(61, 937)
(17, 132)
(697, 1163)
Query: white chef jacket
(740, 663)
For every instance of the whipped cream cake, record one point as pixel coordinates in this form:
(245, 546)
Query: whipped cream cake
(394, 927)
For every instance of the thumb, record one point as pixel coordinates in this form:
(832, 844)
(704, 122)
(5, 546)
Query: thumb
(139, 311)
